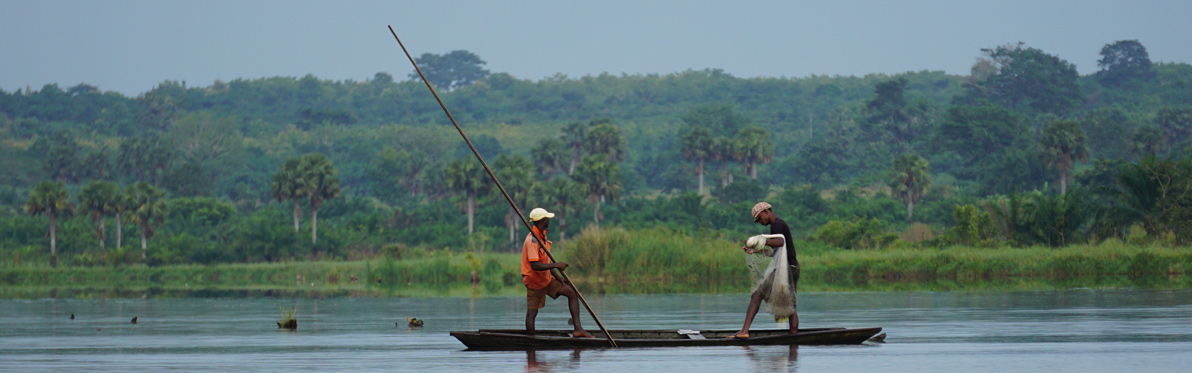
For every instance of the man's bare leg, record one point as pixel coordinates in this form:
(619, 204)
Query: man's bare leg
(795, 322)
(755, 303)
(530, 316)
(573, 305)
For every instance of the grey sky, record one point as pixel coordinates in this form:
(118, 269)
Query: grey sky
(130, 46)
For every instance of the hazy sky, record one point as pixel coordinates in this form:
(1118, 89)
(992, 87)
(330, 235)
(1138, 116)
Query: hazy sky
(130, 46)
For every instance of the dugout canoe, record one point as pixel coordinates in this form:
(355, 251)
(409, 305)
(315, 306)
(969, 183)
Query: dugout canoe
(515, 339)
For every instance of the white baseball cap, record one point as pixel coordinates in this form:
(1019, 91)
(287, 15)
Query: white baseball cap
(538, 213)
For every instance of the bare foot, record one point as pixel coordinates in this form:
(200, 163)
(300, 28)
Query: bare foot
(739, 335)
(581, 334)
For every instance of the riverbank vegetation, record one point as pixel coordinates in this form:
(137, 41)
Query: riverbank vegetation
(258, 178)
(617, 261)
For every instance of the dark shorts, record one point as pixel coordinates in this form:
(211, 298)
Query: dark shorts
(536, 298)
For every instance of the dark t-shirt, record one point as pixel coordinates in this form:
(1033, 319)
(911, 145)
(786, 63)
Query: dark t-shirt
(778, 226)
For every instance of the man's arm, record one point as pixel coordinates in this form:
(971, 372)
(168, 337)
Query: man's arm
(540, 266)
(774, 242)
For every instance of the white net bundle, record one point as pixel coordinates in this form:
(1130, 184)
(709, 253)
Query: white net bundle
(769, 267)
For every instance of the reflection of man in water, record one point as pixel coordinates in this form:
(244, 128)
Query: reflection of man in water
(532, 364)
(771, 359)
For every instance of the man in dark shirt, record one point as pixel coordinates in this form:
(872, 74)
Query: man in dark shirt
(764, 215)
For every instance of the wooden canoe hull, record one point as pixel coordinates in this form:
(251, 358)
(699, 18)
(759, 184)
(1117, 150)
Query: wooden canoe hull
(513, 339)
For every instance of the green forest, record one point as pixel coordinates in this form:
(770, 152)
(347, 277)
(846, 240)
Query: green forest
(1022, 152)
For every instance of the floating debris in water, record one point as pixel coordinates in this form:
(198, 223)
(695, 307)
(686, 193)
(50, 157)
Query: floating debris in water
(290, 324)
(880, 338)
(72, 316)
(414, 322)
(134, 320)
(287, 319)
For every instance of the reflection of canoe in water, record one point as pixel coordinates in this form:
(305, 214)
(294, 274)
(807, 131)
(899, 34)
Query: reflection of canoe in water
(514, 339)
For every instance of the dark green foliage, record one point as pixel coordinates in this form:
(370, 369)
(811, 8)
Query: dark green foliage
(1176, 124)
(1107, 130)
(858, 233)
(1146, 140)
(1156, 194)
(720, 119)
(203, 212)
(51, 200)
(1124, 61)
(740, 191)
(486, 145)
(451, 70)
(187, 179)
(978, 133)
(974, 227)
(393, 175)
(1041, 217)
(1063, 144)
(1057, 219)
(550, 157)
(1028, 79)
(910, 180)
(143, 159)
(821, 162)
(309, 118)
(891, 117)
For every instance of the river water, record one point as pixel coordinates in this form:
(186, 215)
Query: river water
(1061, 331)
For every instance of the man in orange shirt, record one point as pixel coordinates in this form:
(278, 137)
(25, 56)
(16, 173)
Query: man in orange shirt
(536, 270)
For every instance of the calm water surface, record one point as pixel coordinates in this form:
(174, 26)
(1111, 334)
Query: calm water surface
(1069, 331)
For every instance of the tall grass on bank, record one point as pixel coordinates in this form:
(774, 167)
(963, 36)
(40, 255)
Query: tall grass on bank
(657, 260)
(1111, 258)
(436, 270)
(637, 261)
(284, 275)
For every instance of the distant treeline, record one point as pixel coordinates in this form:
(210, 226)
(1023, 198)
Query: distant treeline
(1022, 151)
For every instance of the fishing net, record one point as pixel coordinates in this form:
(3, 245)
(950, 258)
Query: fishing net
(769, 268)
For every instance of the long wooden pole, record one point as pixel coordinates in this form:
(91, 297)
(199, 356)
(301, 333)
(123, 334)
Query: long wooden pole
(541, 239)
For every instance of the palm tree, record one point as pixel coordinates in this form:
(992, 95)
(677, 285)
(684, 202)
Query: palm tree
(605, 139)
(1058, 217)
(910, 180)
(98, 200)
(697, 147)
(725, 151)
(1063, 142)
(147, 208)
(320, 183)
(50, 198)
(287, 183)
(1146, 140)
(517, 175)
(755, 147)
(602, 178)
(550, 156)
(124, 199)
(573, 137)
(563, 196)
(466, 175)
